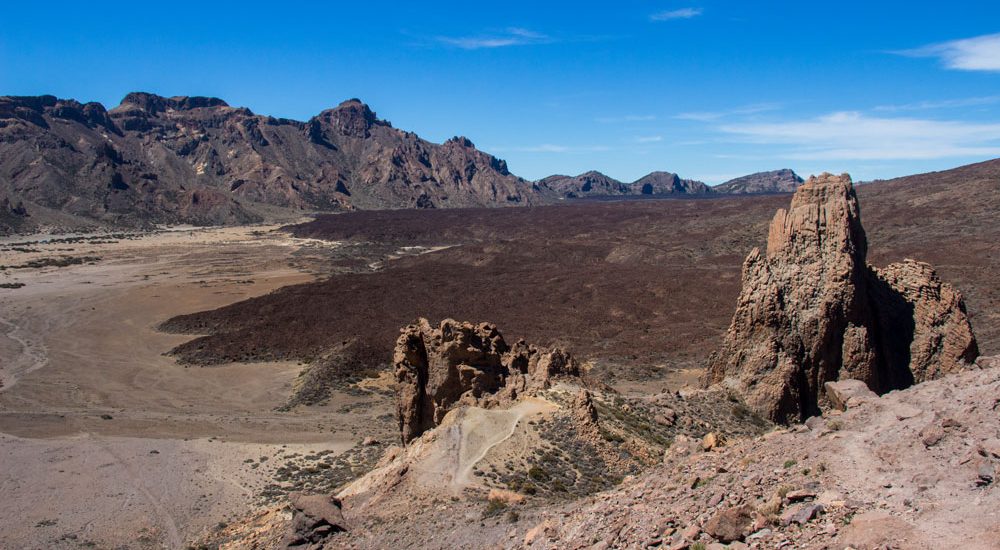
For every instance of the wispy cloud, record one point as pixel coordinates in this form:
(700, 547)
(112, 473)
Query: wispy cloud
(979, 53)
(706, 116)
(942, 104)
(625, 118)
(852, 135)
(682, 13)
(513, 36)
(648, 139)
(552, 148)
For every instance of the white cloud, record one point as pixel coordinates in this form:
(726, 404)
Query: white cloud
(625, 118)
(648, 139)
(979, 53)
(513, 36)
(706, 116)
(852, 135)
(683, 13)
(942, 104)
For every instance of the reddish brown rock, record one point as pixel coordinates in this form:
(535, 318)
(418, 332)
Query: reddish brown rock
(731, 524)
(812, 311)
(436, 367)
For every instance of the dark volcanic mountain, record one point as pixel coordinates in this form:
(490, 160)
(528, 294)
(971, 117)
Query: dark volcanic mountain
(586, 184)
(775, 181)
(197, 160)
(594, 183)
(665, 183)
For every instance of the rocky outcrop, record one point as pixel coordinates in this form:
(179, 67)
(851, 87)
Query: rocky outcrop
(156, 159)
(439, 367)
(775, 181)
(811, 310)
(314, 519)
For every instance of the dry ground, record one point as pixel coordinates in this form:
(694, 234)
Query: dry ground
(106, 441)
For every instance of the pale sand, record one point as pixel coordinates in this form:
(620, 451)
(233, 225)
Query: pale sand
(79, 342)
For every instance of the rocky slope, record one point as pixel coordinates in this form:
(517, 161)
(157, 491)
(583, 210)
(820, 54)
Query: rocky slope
(775, 181)
(812, 310)
(915, 468)
(596, 184)
(197, 160)
(912, 469)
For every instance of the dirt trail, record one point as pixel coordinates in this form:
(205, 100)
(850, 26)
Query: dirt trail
(481, 430)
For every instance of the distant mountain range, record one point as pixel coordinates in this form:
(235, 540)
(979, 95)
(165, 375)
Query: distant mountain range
(596, 184)
(157, 160)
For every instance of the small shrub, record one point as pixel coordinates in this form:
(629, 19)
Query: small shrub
(538, 474)
(494, 508)
(790, 462)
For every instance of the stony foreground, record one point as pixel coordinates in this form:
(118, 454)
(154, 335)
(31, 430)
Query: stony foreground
(912, 469)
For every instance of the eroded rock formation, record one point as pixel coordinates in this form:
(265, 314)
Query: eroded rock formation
(437, 367)
(811, 310)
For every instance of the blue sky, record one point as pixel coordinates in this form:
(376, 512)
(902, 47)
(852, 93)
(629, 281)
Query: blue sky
(710, 90)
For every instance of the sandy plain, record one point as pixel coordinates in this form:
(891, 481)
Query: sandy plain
(107, 442)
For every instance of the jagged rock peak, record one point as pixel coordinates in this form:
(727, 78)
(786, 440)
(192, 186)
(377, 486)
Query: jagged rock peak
(352, 118)
(824, 220)
(152, 103)
(813, 311)
(461, 141)
(438, 368)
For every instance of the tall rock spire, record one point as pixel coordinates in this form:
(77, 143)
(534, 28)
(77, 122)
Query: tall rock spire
(811, 310)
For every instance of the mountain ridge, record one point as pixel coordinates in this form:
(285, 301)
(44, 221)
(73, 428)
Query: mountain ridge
(193, 159)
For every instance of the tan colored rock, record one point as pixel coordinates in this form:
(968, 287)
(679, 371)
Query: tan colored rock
(942, 340)
(847, 393)
(583, 405)
(812, 311)
(711, 441)
(437, 367)
(314, 518)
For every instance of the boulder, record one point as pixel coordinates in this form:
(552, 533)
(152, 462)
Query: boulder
(845, 393)
(314, 518)
(801, 515)
(437, 367)
(731, 524)
(811, 310)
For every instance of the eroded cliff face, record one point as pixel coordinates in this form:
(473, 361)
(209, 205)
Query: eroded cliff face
(439, 367)
(811, 310)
